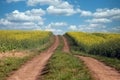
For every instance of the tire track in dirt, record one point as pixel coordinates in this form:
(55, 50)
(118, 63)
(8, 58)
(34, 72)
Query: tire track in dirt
(66, 46)
(33, 69)
(98, 70)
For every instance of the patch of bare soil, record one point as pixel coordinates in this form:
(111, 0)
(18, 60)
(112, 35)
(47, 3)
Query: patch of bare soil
(66, 46)
(33, 69)
(99, 70)
(12, 54)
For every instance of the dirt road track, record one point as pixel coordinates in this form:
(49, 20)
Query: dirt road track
(66, 46)
(32, 69)
(98, 70)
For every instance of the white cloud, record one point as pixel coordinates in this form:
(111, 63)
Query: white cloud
(96, 26)
(35, 12)
(102, 15)
(85, 13)
(56, 24)
(99, 20)
(17, 16)
(92, 28)
(55, 31)
(30, 19)
(116, 17)
(88, 28)
(56, 27)
(55, 7)
(115, 29)
(60, 11)
(9, 1)
(73, 27)
(21, 17)
(106, 12)
(4, 22)
(56, 3)
(62, 8)
(42, 2)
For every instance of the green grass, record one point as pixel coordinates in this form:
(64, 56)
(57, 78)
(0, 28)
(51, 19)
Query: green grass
(8, 65)
(64, 66)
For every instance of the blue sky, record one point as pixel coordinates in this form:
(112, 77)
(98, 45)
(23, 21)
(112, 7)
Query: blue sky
(60, 16)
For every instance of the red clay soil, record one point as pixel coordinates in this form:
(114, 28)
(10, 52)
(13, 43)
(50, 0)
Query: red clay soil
(66, 46)
(33, 69)
(99, 70)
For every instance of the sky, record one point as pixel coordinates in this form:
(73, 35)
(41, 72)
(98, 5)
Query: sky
(60, 16)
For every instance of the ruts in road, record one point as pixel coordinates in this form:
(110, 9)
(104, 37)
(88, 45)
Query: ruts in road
(33, 68)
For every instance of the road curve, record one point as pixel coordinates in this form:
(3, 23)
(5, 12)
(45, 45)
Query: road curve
(98, 70)
(32, 69)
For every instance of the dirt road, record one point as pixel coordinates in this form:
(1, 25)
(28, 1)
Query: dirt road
(66, 46)
(32, 69)
(98, 70)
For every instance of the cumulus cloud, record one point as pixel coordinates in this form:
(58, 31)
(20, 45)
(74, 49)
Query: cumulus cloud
(63, 8)
(84, 13)
(33, 19)
(96, 25)
(29, 19)
(92, 28)
(9, 1)
(17, 16)
(56, 27)
(35, 12)
(107, 12)
(115, 29)
(42, 2)
(4, 22)
(60, 11)
(54, 30)
(55, 7)
(73, 27)
(102, 15)
(116, 17)
(56, 24)
(58, 3)
(88, 27)
(99, 20)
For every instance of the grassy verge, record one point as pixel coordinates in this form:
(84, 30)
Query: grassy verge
(63, 66)
(113, 62)
(8, 65)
